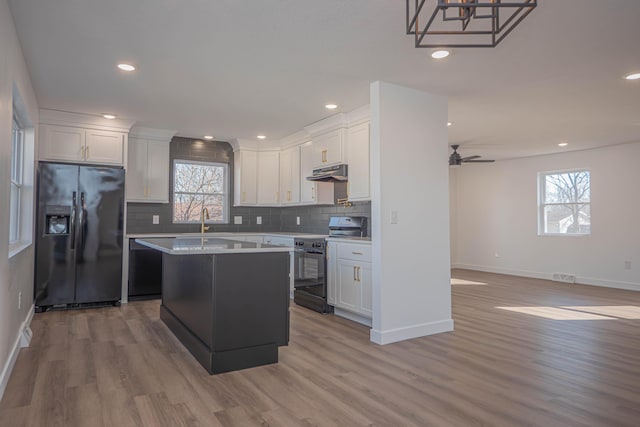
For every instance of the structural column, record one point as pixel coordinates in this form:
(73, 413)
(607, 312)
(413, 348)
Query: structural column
(410, 214)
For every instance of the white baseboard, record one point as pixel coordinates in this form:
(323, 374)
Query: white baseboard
(548, 276)
(23, 334)
(410, 332)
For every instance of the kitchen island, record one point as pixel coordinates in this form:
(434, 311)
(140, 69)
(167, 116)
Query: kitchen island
(227, 301)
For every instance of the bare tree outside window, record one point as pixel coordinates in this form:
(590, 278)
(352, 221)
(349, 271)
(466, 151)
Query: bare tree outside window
(197, 185)
(565, 205)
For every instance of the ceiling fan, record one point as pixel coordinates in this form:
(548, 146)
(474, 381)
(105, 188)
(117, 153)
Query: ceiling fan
(455, 159)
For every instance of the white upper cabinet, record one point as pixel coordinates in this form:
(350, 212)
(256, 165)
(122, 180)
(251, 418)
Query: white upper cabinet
(245, 182)
(79, 145)
(104, 147)
(290, 176)
(312, 192)
(269, 178)
(358, 185)
(148, 170)
(328, 149)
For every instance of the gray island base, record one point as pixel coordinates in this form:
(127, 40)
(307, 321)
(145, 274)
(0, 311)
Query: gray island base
(230, 309)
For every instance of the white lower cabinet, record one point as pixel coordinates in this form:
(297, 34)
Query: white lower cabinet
(349, 277)
(278, 241)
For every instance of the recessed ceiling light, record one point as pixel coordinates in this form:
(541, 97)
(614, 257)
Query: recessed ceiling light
(331, 106)
(126, 67)
(563, 144)
(449, 123)
(109, 116)
(633, 76)
(440, 53)
(208, 137)
(261, 137)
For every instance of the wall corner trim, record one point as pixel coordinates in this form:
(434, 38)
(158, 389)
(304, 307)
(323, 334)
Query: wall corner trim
(15, 350)
(410, 332)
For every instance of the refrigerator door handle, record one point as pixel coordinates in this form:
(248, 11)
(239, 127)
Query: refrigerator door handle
(81, 220)
(73, 222)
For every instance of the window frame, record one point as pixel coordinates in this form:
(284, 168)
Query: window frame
(542, 202)
(225, 194)
(16, 180)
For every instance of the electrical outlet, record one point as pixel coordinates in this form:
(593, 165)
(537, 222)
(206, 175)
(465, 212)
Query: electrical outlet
(19, 300)
(627, 265)
(259, 220)
(297, 220)
(237, 219)
(156, 219)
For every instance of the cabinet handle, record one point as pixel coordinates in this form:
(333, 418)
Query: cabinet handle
(324, 156)
(357, 253)
(358, 273)
(288, 195)
(86, 153)
(355, 276)
(313, 191)
(277, 196)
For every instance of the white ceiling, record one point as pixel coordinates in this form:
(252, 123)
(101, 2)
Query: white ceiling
(235, 69)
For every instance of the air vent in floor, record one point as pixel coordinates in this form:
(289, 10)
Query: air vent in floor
(565, 278)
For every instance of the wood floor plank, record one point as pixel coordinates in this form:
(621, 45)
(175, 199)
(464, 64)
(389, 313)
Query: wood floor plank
(522, 354)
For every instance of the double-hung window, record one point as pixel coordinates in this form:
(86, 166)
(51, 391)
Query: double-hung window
(565, 203)
(199, 185)
(17, 162)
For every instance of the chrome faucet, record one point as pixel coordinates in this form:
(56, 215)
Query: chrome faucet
(204, 215)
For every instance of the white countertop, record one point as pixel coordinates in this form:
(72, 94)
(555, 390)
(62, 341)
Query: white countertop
(226, 235)
(207, 245)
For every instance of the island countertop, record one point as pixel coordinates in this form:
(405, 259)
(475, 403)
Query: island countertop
(206, 245)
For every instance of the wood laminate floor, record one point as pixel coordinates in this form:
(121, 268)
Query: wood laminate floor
(525, 352)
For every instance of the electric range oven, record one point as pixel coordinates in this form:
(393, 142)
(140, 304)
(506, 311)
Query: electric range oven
(310, 270)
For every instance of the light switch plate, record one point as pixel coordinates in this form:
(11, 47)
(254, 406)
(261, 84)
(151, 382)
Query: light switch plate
(258, 220)
(394, 217)
(237, 219)
(156, 219)
(297, 220)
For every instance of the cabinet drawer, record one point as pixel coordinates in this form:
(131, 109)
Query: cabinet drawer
(354, 252)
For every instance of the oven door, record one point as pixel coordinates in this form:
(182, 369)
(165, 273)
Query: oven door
(309, 272)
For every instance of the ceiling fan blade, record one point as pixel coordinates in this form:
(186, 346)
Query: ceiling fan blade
(478, 161)
(466, 159)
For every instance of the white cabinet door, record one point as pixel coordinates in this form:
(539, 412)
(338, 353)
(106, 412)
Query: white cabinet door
(136, 180)
(311, 192)
(279, 241)
(349, 289)
(366, 291)
(349, 270)
(148, 170)
(268, 178)
(290, 176)
(62, 143)
(158, 169)
(328, 149)
(245, 173)
(104, 147)
(332, 280)
(358, 186)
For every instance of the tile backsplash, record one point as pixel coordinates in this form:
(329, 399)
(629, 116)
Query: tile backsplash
(313, 219)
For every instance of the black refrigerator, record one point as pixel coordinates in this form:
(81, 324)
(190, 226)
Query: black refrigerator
(79, 235)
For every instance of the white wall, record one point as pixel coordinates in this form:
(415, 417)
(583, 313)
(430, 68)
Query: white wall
(411, 259)
(496, 218)
(16, 274)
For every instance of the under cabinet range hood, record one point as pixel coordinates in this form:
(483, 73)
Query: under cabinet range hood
(337, 173)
